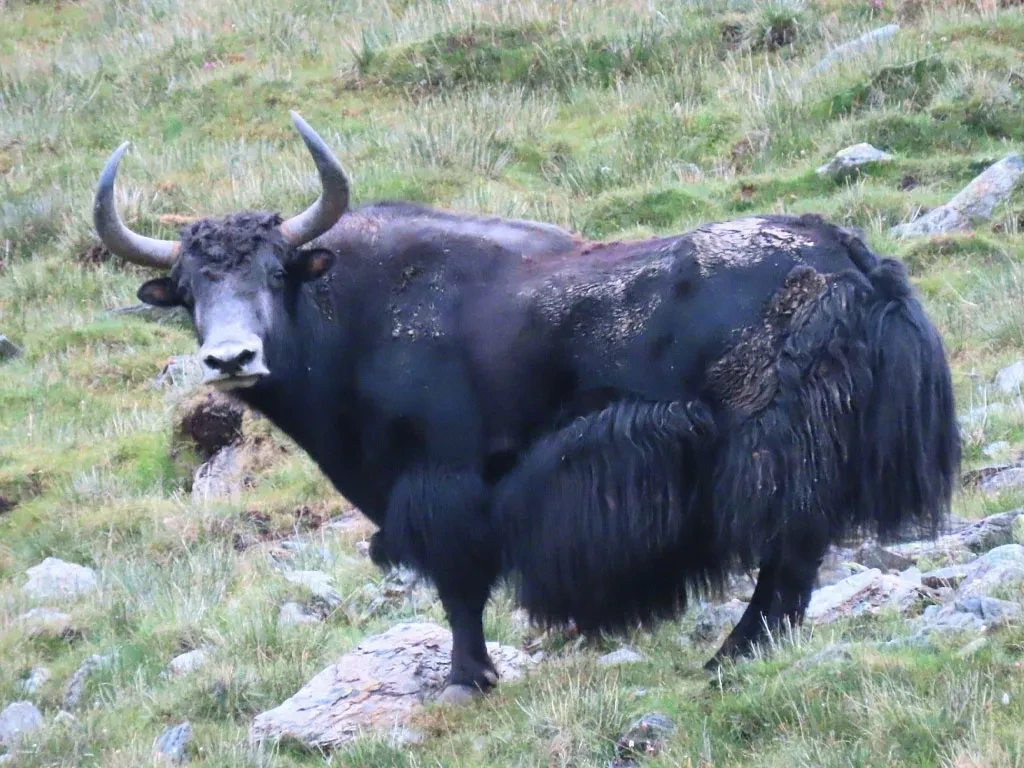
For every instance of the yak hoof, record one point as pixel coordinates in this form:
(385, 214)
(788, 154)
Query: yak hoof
(459, 695)
(491, 676)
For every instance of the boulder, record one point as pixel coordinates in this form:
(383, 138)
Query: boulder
(850, 160)
(187, 663)
(863, 593)
(976, 537)
(171, 746)
(1009, 379)
(54, 578)
(17, 721)
(375, 687)
(1008, 479)
(978, 200)
(317, 582)
(1002, 567)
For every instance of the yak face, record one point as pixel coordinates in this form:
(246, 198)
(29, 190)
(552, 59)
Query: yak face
(238, 279)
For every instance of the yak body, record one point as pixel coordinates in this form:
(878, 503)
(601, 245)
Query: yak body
(609, 426)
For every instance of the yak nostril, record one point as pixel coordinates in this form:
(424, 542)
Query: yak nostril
(245, 357)
(212, 362)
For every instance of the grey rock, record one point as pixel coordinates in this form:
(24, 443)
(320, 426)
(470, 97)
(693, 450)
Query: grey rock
(833, 654)
(17, 721)
(375, 687)
(182, 372)
(46, 622)
(716, 619)
(171, 747)
(171, 315)
(76, 685)
(221, 477)
(990, 610)
(978, 200)
(1017, 530)
(946, 620)
(858, 45)
(37, 678)
(977, 537)
(317, 582)
(645, 737)
(624, 655)
(871, 555)
(293, 615)
(850, 160)
(54, 578)
(400, 586)
(1004, 480)
(189, 662)
(998, 448)
(1009, 379)
(950, 576)
(862, 593)
(8, 349)
(998, 569)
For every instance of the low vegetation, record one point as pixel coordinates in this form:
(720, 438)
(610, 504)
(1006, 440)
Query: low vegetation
(616, 118)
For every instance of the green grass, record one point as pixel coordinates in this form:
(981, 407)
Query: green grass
(615, 118)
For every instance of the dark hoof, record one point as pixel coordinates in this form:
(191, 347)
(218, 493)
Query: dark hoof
(459, 695)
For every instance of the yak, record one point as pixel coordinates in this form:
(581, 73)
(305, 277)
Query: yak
(608, 427)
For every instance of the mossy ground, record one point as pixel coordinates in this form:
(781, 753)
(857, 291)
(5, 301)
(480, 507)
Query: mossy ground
(588, 114)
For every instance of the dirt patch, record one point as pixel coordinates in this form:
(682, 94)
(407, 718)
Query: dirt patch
(6, 505)
(94, 255)
(209, 422)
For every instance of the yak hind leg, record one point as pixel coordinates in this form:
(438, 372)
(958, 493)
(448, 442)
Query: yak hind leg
(438, 524)
(781, 595)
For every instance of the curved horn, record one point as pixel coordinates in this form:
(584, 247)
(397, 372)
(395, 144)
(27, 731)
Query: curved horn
(121, 241)
(333, 199)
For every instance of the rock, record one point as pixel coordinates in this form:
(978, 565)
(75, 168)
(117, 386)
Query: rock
(1009, 379)
(8, 349)
(833, 654)
(76, 685)
(998, 448)
(53, 578)
(945, 620)
(624, 655)
(980, 536)
(848, 161)
(37, 678)
(645, 737)
(221, 477)
(317, 582)
(293, 614)
(175, 315)
(871, 555)
(172, 745)
(187, 663)
(978, 200)
(862, 593)
(46, 622)
(1017, 530)
(17, 721)
(989, 609)
(399, 586)
(376, 687)
(950, 576)
(181, 372)
(1004, 480)
(716, 619)
(1000, 568)
(854, 46)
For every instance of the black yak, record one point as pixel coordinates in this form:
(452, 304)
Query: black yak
(609, 426)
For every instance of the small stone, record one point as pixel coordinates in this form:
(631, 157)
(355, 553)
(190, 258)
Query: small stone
(220, 477)
(978, 200)
(834, 654)
(866, 592)
(293, 614)
(54, 578)
(317, 582)
(850, 160)
(1009, 379)
(871, 555)
(645, 737)
(8, 349)
(624, 655)
(46, 622)
(950, 576)
(402, 736)
(1005, 699)
(1006, 480)
(172, 745)
(37, 678)
(171, 315)
(716, 619)
(17, 721)
(187, 662)
(183, 372)
(998, 448)
(76, 685)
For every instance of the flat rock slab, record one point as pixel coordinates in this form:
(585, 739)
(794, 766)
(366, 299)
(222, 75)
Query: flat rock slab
(187, 663)
(848, 161)
(17, 721)
(54, 578)
(978, 200)
(375, 687)
(863, 593)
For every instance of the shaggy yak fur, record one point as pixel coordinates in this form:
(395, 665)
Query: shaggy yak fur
(608, 426)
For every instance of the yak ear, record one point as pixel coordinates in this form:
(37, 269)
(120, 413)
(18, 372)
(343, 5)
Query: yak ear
(311, 264)
(160, 292)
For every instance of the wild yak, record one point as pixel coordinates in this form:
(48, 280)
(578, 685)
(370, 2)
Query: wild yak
(610, 427)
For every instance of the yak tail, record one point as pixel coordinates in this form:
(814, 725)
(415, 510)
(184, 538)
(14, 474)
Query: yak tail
(861, 436)
(604, 521)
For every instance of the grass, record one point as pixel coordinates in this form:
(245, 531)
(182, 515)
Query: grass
(616, 118)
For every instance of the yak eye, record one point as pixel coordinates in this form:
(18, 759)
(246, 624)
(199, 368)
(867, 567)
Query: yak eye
(277, 275)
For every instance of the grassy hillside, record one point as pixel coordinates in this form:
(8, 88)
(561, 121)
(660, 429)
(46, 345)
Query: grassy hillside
(617, 118)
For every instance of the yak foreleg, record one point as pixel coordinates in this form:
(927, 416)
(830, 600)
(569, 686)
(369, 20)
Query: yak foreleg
(438, 523)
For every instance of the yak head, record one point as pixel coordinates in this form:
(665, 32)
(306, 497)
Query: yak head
(237, 276)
